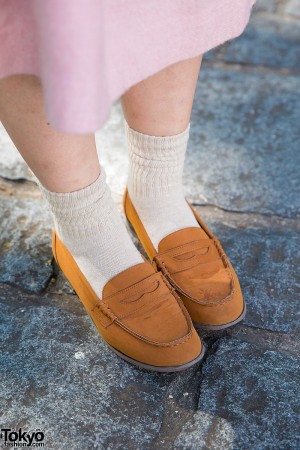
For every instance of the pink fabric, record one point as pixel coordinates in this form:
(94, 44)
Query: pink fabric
(88, 52)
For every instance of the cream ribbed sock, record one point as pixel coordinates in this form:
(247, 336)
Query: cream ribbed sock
(89, 225)
(155, 182)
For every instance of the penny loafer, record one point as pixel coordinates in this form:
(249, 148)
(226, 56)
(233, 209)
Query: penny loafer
(195, 264)
(140, 316)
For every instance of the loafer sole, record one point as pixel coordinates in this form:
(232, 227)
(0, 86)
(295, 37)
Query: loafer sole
(165, 369)
(205, 326)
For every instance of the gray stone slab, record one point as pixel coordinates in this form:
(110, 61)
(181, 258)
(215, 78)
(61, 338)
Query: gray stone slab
(243, 153)
(269, 6)
(12, 165)
(270, 42)
(25, 243)
(249, 399)
(267, 263)
(266, 340)
(58, 375)
(292, 7)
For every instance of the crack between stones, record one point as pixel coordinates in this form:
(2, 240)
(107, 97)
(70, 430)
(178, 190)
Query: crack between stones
(53, 276)
(249, 68)
(232, 211)
(170, 420)
(247, 219)
(266, 339)
(21, 180)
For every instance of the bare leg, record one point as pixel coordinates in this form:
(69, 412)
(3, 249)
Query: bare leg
(157, 112)
(161, 105)
(86, 219)
(62, 162)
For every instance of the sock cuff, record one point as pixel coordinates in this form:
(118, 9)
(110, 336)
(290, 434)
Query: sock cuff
(76, 200)
(162, 148)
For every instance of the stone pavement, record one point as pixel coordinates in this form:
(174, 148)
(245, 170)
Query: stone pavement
(242, 174)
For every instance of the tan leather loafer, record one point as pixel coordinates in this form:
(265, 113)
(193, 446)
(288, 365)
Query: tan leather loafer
(195, 264)
(140, 317)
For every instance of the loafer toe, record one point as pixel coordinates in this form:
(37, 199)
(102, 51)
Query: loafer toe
(195, 264)
(140, 316)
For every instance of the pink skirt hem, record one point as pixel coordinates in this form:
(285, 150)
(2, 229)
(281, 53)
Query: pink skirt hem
(89, 52)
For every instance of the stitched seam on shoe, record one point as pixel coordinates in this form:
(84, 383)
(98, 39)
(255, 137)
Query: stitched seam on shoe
(130, 287)
(181, 305)
(106, 310)
(179, 302)
(225, 260)
(200, 302)
(116, 318)
(141, 307)
(173, 343)
(176, 254)
(141, 293)
(222, 255)
(108, 314)
(182, 246)
(213, 303)
(197, 263)
(198, 257)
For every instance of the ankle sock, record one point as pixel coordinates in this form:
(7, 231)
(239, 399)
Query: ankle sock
(155, 182)
(89, 225)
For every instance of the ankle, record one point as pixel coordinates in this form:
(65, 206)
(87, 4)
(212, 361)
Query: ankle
(88, 224)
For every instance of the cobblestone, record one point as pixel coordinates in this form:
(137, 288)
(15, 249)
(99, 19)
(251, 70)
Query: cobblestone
(242, 175)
